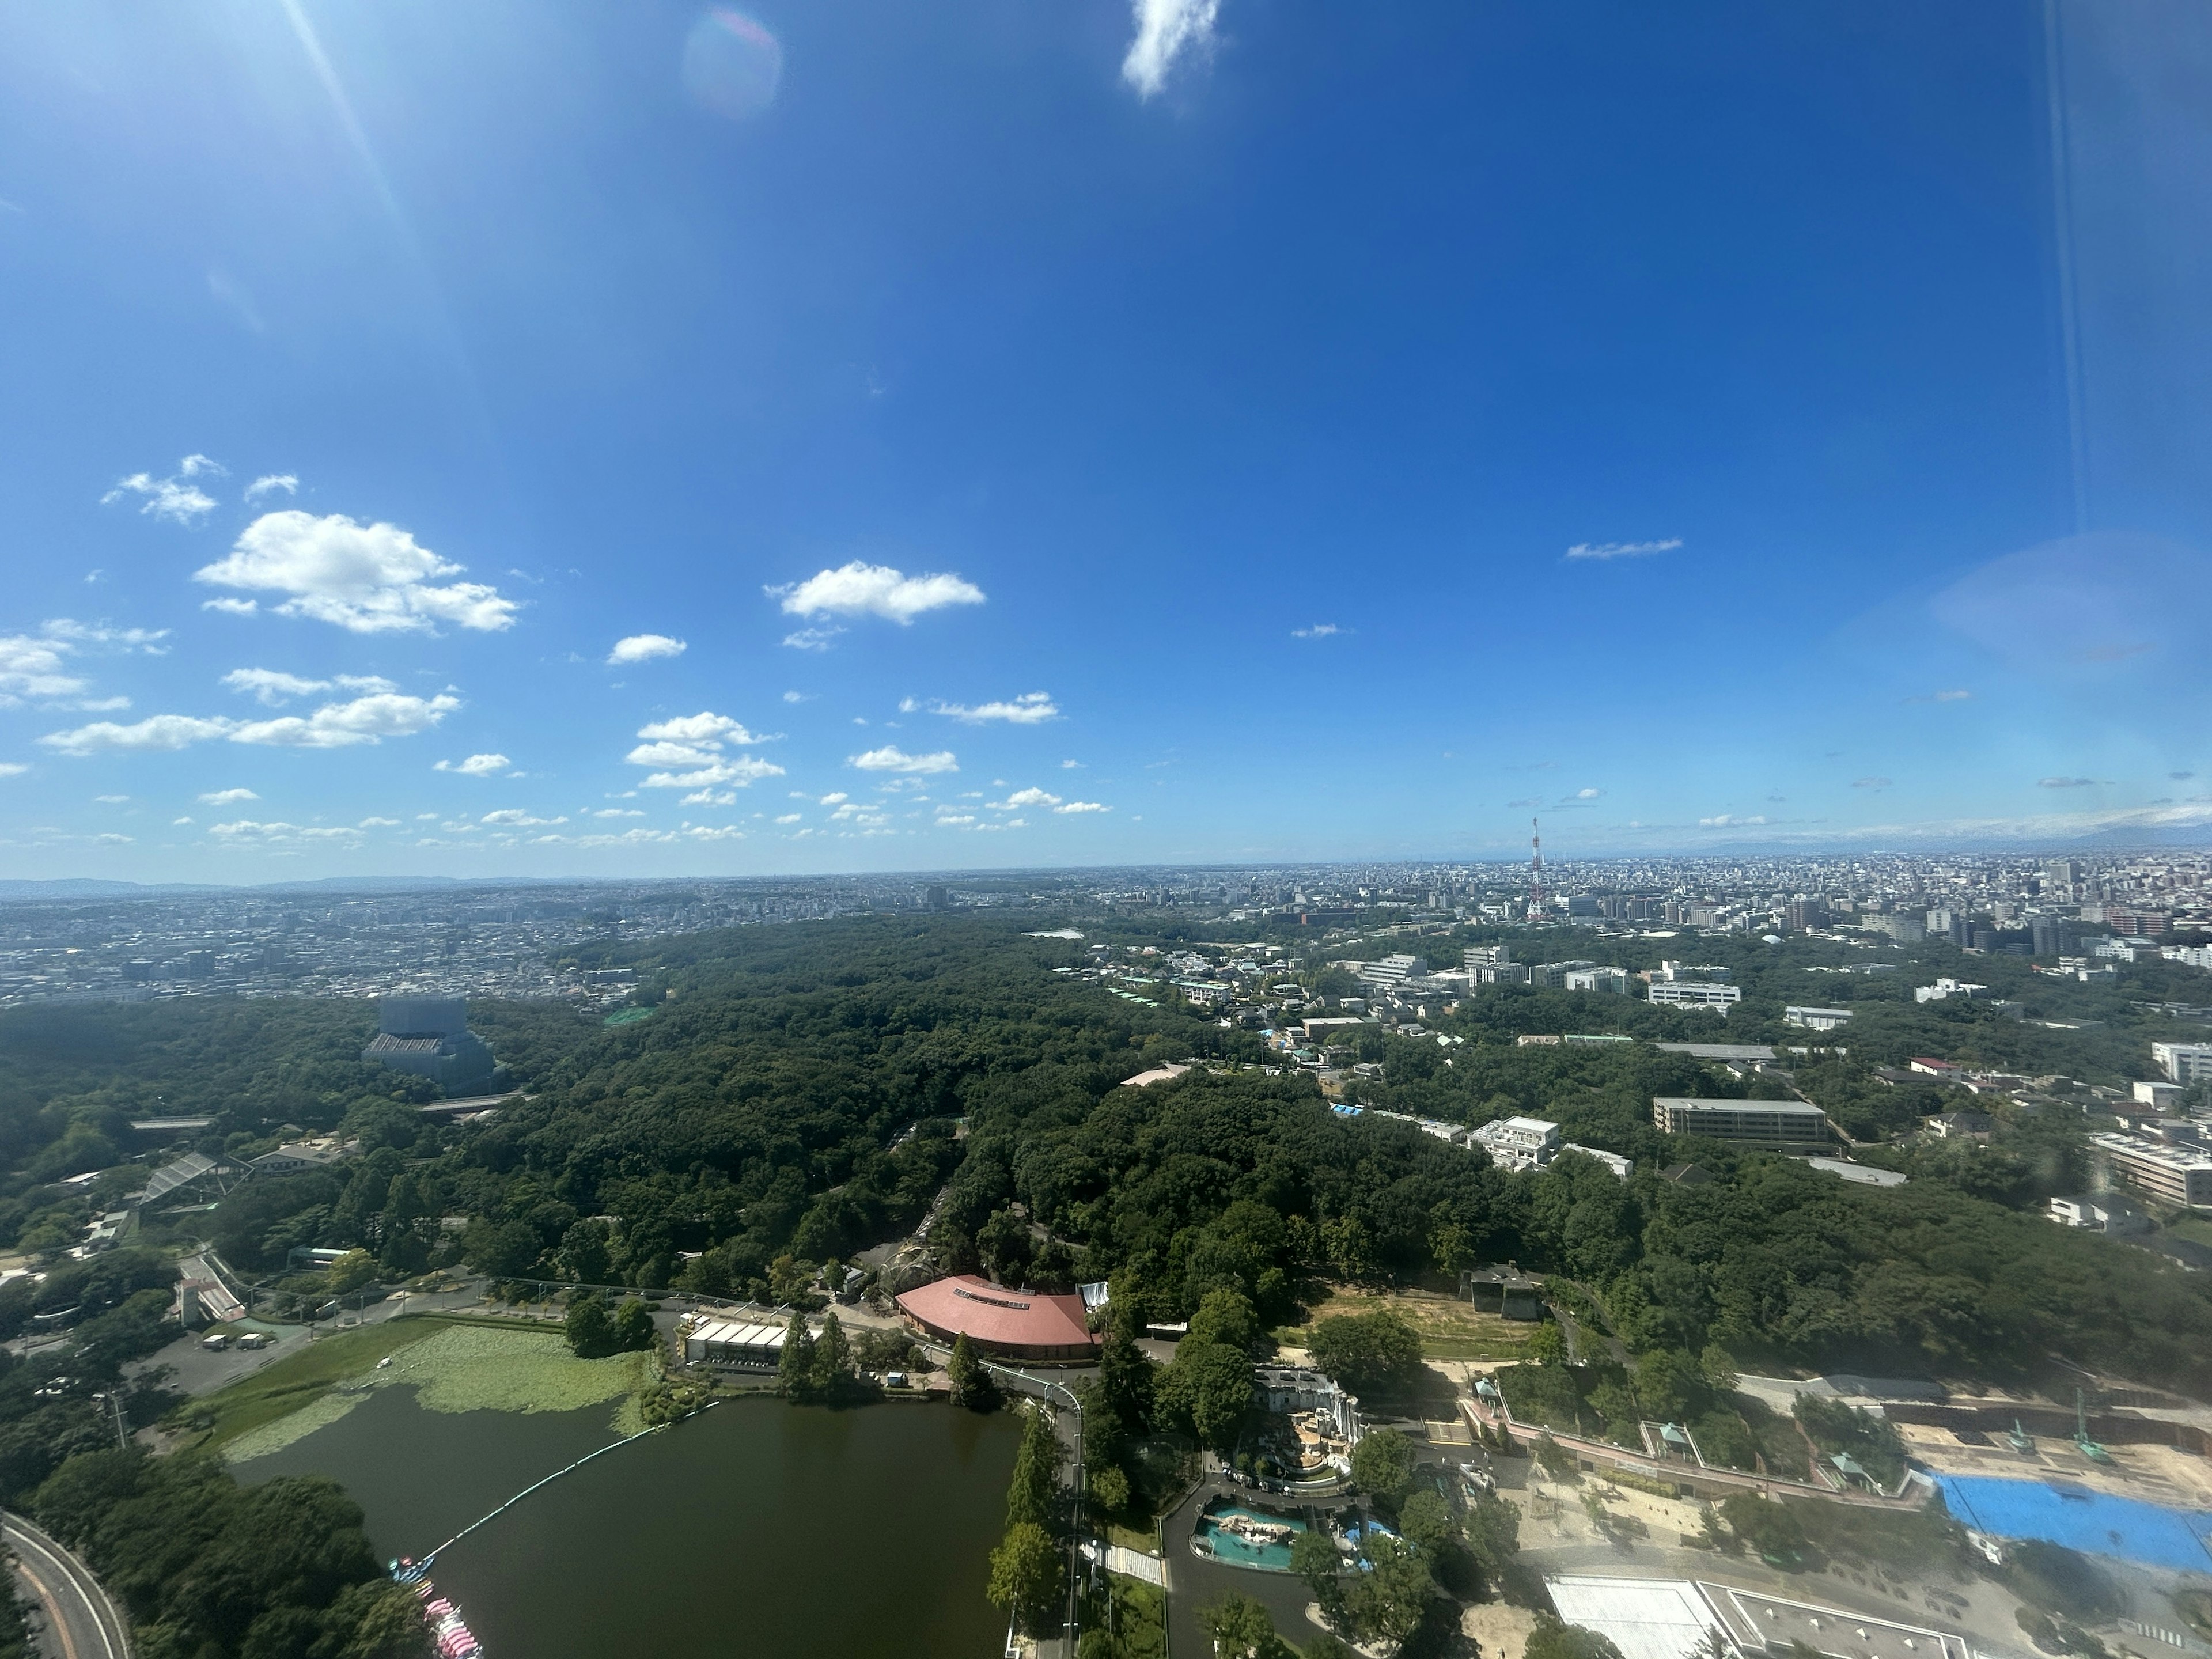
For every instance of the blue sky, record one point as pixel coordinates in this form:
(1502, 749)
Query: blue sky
(1070, 434)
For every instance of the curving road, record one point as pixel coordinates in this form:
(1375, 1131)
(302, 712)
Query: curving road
(82, 1622)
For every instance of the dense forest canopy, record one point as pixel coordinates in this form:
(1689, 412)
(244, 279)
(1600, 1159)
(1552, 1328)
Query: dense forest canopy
(800, 1093)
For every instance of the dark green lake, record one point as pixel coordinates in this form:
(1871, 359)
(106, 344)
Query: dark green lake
(757, 1528)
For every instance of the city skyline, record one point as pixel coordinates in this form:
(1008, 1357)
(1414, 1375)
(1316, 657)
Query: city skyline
(715, 443)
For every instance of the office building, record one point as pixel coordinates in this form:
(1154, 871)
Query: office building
(1816, 1019)
(2175, 1175)
(1694, 993)
(2104, 1213)
(1519, 1143)
(2183, 1062)
(2061, 877)
(1613, 980)
(1784, 1125)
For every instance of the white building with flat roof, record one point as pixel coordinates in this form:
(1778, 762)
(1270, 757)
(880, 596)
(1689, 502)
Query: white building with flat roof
(1815, 1019)
(2184, 1062)
(1694, 993)
(1792, 1126)
(2178, 1175)
(1519, 1143)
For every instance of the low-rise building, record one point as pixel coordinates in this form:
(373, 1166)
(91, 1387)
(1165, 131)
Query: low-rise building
(1944, 989)
(1519, 1143)
(1611, 981)
(1015, 1324)
(2159, 1096)
(1960, 1126)
(1694, 993)
(1815, 1019)
(736, 1344)
(1784, 1125)
(2105, 1212)
(1622, 1167)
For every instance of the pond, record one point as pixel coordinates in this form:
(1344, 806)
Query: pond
(755, 1526)
(1239, 1537)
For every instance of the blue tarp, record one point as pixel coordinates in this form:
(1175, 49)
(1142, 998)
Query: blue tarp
(2097, 1523)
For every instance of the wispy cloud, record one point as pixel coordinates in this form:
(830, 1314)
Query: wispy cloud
(176, 497)
(273, 687)
(1940, 697)
(2066, 783)
(1622, 550)
(891, 758)
(1029, 708)
(1729, 821)
(1870, 783)
(226, 797)
(644, 647)
(1318, 631)
(1166, 29)
(269, 483)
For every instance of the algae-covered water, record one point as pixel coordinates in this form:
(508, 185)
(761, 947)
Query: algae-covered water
(757, 1528)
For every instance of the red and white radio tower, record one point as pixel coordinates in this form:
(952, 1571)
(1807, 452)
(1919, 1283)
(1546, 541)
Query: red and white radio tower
(1536, 869)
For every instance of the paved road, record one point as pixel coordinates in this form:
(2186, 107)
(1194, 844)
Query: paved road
(81, 1623)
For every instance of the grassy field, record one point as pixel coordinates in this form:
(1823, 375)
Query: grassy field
(455, 1365)
(300, 1379)
(1450, 1329)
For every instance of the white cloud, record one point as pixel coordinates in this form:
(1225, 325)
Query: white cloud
(618, 812)
(1022, 797)
(231, 607)
(334, 725)
(1622, 550)
(175, 498)
(35, 668)
(787, 817)
(380, 823)
(248, 832)
(891, 758)
(369, 579)
(644, 647)
(835, 797)
(739, 771)
(954, 819)
(340, 725)
(2065, 783)
(706, 728)
(13, 769)
(226, 797)
(513, 817)
(797, 696)
(270, 482)
(714, 832)
(272, 687)
(111, 800)
(156, 733)
(1030, 708)
(1587, 794)
(1728, 821)
(113, 840)
(708, 798)
(1083, 806)
(1318, 631)
(476, 766)
(1165, 30)
(1070, 765)
(173, 823)
(873, 590)
(811, 639)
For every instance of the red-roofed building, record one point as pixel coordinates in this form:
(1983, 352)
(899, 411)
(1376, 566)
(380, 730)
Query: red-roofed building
(1013, 1324)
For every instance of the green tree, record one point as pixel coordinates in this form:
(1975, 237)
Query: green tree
(634, 1330)
(1493, 1533)
(1768, 1528)
(1025, 1575)
(591, 1332)
(1390, 1600)
(1381, 1463)
(1552, 1639)
(1367, 1352)
(1427, 1518)
(1109, 1490)
(1241, 1629)
(972, 1386)
(794, 1366)
(1314, 1558)
(1227, 1317)
(350, 1271)
(1121, 1402)
(1033, 1495)
(1548, 1344)
(833, 1358)
(1209, 1387)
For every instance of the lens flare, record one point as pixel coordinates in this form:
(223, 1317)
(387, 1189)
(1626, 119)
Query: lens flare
(731, 64)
